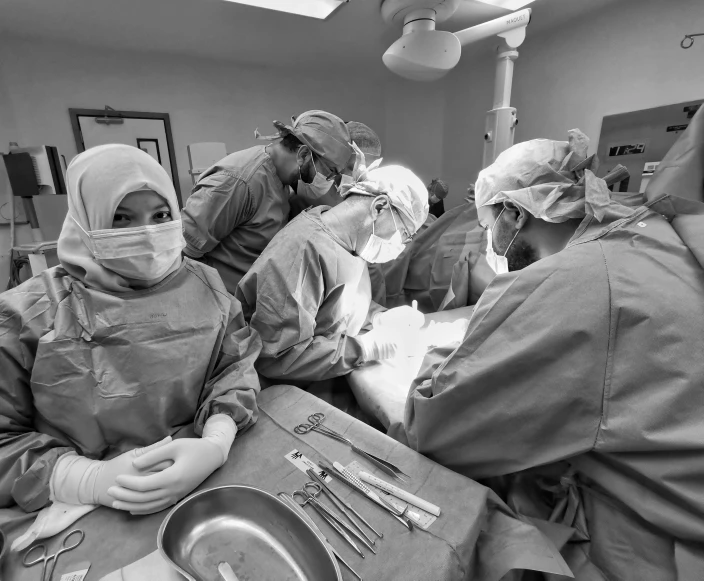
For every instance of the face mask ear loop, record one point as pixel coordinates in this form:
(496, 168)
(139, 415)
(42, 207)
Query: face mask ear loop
(494, 228)
(391, 209)
(81, 227)
(510, 243)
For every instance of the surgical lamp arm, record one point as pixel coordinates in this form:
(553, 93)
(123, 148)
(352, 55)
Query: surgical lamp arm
(501, 120)
(512, 28)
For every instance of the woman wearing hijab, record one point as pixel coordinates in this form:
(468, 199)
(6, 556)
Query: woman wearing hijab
(120, 347)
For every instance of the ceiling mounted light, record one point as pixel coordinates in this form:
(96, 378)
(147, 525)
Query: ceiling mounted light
(508, 4)
(320, 9)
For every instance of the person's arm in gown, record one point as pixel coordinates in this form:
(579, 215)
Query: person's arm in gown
(27, 457)
(234, 384)
(525, 387)
(287, 303)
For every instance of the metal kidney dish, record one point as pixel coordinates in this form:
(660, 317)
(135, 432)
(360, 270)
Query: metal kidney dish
(261, 538)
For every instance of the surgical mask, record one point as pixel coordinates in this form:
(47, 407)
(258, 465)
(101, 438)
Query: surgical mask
(319, 186)
(142, 253)
(499, 264)
(379, 250)
(304, 189)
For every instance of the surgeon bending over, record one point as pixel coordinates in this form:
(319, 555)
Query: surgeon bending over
(307, 195)
(122, 346)
(241, 202)
(308, 295)
(582, 367)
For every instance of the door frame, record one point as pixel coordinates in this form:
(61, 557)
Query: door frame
(78, 135)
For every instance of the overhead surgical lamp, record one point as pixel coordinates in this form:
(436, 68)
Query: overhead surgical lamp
(426, 54)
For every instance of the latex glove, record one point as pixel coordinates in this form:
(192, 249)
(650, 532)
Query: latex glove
(51, 521)
(443, 334)
(378, 344)
(79, 480)
(194, 459)
(400, 318)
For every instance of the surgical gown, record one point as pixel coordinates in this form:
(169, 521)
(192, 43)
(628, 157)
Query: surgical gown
(425, 272)
(592, 356)
(236, 208)
(308, 296)
(102, 373)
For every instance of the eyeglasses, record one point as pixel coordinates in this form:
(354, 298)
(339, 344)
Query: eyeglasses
(324, 169)
(406, 238)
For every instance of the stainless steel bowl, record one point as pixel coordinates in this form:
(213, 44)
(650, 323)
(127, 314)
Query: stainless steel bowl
(261, 538)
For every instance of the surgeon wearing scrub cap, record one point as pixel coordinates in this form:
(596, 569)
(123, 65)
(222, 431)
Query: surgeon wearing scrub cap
(580, 376)
(368, 143)
(242, 201)
(309, 296)
(121, 347)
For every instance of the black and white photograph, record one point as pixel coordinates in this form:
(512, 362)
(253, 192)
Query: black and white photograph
(344, 290)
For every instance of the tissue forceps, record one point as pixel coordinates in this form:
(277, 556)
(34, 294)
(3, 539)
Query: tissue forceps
(43, 557)
(316, 423)
(330, 517)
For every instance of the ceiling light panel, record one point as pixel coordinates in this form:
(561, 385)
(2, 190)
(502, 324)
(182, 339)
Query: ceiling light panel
(508, 4)
(320, 9)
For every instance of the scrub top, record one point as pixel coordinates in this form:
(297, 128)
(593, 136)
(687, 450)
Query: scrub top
(102, 373)
(234, 211)
(582, 375)
(308, 296)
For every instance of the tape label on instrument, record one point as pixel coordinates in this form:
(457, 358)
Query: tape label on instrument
(302, 463)
(79, 572)
(419, 517)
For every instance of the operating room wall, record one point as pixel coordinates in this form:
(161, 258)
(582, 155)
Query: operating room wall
(207, 100)
(414, 126)
(625, 57)
(8, 132)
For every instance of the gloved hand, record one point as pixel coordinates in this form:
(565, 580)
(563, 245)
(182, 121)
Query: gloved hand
(80, 480)
(400, 318)
(50, 521)
(442, 334)
(194, 459)
(378, 344)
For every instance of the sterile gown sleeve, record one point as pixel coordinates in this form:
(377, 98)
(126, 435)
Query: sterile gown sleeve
(295, 345)
(27, 457)
(526, 385)
(219, 203)
(374, 308)
(378, 283)
(234, 384)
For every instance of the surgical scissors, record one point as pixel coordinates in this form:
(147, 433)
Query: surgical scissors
(316, 423)
(330, 517)
(43, 558)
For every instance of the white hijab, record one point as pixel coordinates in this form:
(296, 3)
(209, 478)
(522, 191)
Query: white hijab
(98, 180)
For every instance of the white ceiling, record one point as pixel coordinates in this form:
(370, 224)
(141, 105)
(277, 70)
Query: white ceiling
(354, 37)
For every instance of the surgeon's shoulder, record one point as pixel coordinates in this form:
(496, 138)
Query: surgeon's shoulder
(37, 297)
(578, 271)
(206, 274)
